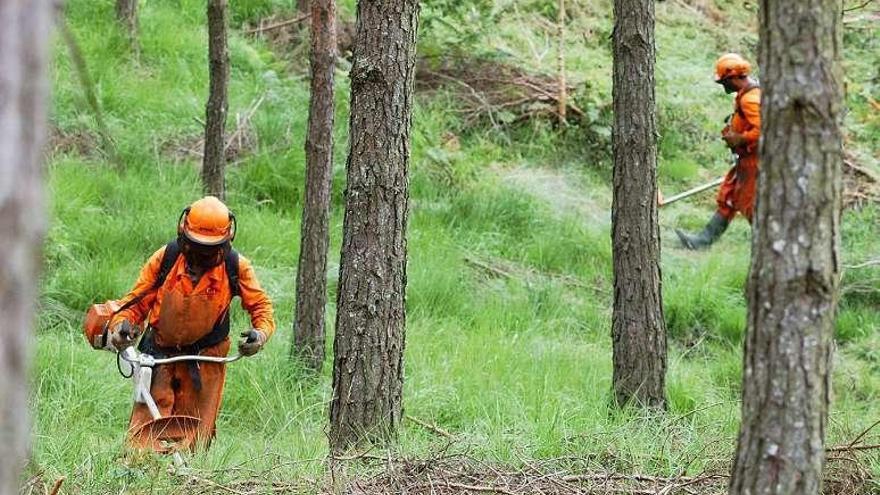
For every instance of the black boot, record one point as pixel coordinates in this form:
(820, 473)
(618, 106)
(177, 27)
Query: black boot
(711, 232)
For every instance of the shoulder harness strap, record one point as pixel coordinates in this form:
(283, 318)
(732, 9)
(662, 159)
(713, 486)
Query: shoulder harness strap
(752, 85)
(169, 257)
(232, 271)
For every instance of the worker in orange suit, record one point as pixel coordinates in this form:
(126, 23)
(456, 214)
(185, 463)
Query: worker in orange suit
(742, 133)
(184, 294)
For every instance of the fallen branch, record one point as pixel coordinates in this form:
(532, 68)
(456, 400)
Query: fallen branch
(243, 123)
(858, 7)
(216, 485)
(428, 426)
(861, 170)
(863, 264)
(853, 448)
(479, 488)
(277, 25)
(57, 486)
(528, 274)
(500, 92)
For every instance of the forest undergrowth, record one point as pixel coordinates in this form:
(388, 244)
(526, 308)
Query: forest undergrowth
(508, 350)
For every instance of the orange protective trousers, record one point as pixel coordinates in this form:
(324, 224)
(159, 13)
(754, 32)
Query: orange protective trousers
(737, 192)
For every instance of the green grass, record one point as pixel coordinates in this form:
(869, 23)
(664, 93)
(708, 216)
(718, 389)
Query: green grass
(515, 362)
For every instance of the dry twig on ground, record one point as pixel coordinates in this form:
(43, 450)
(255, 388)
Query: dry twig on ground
(497, 92)
(860, 184)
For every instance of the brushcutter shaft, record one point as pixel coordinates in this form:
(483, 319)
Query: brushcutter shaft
(691, 192)
(205, 359)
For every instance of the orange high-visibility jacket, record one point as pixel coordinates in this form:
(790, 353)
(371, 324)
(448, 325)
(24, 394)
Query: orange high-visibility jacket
(747, 119)
(737, 192)
(212, 295)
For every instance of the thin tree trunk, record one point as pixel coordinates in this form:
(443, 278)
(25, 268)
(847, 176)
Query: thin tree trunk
(214, 161)
(108, 146)
(126, 14)
(562, 103)
(311, 276)
(24, 36)
(793, 281)
(370, 322)
(638, 329)
(303, 5)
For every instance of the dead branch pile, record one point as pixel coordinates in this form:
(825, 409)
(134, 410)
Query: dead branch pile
(75, 141)
(288, 35)
(861, 185)
(461, 475)
(493, 91)
(448, 473)
(501, 268)
(279, 31)
(239, 144)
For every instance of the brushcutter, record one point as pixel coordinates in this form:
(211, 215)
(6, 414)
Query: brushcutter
(661, 201)
(162, 434)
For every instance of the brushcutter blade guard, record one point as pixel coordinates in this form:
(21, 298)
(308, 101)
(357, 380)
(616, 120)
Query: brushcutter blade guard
(166, 435)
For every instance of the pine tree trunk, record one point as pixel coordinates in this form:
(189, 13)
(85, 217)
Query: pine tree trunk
(126, 14)
(24, 36)
(311, 276)
(638, 329)
(793, 282)
(214, 161)
(370, 322)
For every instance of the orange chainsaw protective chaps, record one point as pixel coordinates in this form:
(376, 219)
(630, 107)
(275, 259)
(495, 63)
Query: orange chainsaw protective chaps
(175, 394)
(737, 192)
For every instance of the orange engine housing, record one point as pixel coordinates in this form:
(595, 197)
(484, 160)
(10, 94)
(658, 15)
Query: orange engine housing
(96, 322)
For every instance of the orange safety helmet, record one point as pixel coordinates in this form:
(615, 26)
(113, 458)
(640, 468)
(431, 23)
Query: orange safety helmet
(207, 222)
(731, 65)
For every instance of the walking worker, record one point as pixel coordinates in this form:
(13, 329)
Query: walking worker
(184, 294)
(742, 132)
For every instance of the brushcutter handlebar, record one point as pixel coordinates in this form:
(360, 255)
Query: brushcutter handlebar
(134, 357)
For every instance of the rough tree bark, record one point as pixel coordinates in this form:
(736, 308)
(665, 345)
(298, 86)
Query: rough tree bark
(562, 104)
(311, 276)
(126, 14)
(214, 160)
(370, 322)
(638, 330)
(793, 282)
(24, 36)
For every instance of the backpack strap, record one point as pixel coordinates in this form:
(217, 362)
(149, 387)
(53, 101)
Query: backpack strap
(169, 257)
(232, 271)
(752, 85)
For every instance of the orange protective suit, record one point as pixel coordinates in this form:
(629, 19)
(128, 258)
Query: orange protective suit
(737, 192)
(180, 313)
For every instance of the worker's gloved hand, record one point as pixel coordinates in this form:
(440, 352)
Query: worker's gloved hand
(251, 342)
(123, 334)
(733, 139)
